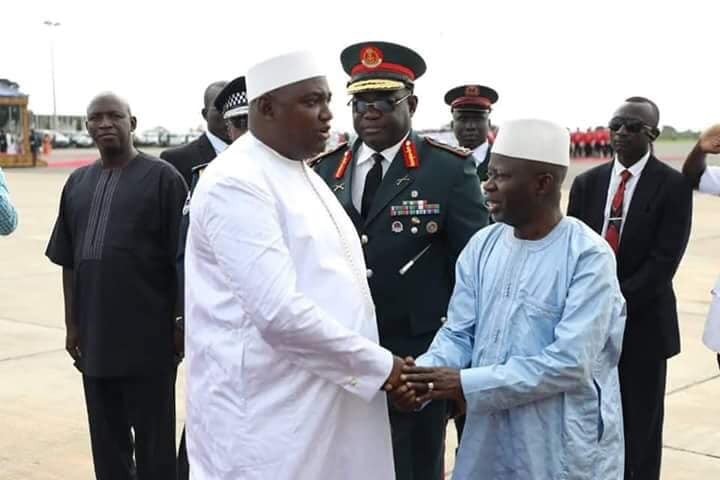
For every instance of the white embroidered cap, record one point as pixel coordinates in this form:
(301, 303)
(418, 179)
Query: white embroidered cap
(534, 140)
(280, 71)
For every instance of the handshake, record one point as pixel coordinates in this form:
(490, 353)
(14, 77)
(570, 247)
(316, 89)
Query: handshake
(409, 387)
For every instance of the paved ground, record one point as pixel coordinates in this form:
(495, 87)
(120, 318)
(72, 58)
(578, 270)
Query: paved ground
(42, 414)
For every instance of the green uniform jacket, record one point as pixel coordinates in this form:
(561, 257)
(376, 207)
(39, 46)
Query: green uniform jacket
(412, 306)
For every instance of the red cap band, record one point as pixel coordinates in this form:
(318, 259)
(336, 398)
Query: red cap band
(481, 101)
(384, 66)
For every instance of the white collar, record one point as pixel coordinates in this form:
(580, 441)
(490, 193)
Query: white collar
(365, 152)
(480, 152)
(218, 145)
(635, 170)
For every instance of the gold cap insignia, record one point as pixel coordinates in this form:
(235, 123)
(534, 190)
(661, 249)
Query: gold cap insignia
(371, 57)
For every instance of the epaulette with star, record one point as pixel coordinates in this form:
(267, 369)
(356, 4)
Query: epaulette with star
(315, 161)
(460, 151)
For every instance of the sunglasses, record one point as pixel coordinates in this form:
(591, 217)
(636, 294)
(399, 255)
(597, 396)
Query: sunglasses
(631, 126)
(384, 105)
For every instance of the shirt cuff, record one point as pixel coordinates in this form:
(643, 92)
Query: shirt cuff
(710, 181)
(473, 379)
(371, 382)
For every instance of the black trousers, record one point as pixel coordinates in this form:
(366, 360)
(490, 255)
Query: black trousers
(642, 385)
(419, 442)
(132, 417)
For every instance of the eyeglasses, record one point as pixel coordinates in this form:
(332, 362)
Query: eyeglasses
(384, 105)
(631, 126)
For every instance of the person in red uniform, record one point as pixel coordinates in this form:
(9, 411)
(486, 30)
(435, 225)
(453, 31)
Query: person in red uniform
(574, 143)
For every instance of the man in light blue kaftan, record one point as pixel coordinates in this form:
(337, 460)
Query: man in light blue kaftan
(534, 330)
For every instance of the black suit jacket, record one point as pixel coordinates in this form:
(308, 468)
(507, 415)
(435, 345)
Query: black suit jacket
(483, 167)
(654, 237)
(411, 307)
(186, 157)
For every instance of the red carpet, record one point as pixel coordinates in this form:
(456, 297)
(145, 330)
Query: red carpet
(72, 162)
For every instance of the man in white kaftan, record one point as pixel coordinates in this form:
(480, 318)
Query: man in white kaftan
(284, 370)
(534, 330)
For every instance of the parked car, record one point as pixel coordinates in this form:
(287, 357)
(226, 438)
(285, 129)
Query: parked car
(147, 139)
(81, 140)
(59, 140)
(176, 139)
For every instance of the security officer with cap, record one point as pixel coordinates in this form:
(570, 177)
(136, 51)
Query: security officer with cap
(415, 203)
(232, 103)
(470, 106)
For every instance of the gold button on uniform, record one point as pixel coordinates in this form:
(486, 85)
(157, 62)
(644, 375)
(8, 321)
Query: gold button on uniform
(364, 239)
(369, 273)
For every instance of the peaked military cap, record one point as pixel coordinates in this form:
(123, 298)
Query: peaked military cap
(232, 100)
(471, 97)
(384, 66)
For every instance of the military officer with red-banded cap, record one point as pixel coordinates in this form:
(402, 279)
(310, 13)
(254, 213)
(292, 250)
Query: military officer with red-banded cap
(415, 203)
(471, 106)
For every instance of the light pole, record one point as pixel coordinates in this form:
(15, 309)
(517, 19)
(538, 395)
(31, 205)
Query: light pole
(52, 68)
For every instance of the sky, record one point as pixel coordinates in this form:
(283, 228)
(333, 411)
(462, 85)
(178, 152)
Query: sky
(572, 62)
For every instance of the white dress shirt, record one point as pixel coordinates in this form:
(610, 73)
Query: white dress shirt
(283, 365)
(615, 178)
(218, 145)
(710, 181)
(480, 153)
(363, 164)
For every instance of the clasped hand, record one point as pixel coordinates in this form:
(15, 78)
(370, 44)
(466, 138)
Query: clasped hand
(414, 386)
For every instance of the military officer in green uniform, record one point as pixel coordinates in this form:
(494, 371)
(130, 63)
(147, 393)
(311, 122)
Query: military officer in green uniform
(470, 106)
(415, 203)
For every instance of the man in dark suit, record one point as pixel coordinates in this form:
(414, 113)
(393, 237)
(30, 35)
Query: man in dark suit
(644, 209)
(470, 106)
(415, 203)
(208, 145)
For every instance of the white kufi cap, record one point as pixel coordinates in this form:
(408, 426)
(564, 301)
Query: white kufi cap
(280, 71)
(534, 140)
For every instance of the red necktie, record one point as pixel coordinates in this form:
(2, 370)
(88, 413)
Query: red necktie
(612, 234)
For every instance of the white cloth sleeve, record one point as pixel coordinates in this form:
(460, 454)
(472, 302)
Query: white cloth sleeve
(243, 226)
(710, 181)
